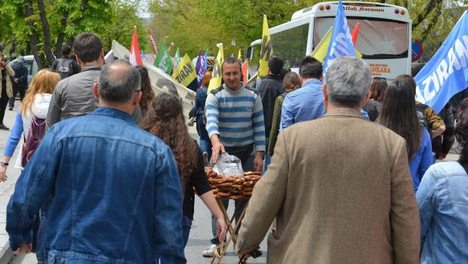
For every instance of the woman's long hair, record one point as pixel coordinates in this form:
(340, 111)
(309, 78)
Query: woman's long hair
(165, 119)
(461, 130)
(378, 87)
(43, 82)
(147, 93)
(399, 114)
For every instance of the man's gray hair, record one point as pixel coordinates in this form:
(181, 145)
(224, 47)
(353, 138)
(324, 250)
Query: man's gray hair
(348, 80)
(118, 81)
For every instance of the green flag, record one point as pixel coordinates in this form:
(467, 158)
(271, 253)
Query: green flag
(163, 59)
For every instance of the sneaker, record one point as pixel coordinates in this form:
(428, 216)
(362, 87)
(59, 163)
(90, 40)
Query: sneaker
(11, 108)
(209, 253)
(3, 127)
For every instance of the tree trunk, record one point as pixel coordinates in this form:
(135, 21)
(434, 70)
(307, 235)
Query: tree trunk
(61, 34)
(34, 39)
(431, 4)
(46, 32)
(432, 22)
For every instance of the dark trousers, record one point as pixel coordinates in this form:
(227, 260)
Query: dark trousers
(3, 104)
(17, 88)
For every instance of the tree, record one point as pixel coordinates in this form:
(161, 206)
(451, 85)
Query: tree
(42, 27)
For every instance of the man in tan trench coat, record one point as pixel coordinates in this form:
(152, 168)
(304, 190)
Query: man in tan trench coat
(339, 186)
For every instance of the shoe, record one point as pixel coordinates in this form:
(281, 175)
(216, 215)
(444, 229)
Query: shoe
(209, 253)
(3, 127)
(11, 108)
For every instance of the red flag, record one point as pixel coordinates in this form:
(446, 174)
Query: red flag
(135, 55)
(245, 71)
(355, 33)
(153, 43)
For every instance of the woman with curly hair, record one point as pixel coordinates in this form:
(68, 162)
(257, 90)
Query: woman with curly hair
(147, 93)
(443, 203)
(165, 119)
(399, 114)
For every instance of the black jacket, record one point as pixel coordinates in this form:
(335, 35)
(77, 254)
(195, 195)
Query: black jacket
(270, 88)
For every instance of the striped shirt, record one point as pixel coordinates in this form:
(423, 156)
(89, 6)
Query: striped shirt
(236, 116)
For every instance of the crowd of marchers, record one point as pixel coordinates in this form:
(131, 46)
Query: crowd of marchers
(353, 167)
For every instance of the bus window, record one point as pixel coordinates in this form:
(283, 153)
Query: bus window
(291, 45)
(377, 39)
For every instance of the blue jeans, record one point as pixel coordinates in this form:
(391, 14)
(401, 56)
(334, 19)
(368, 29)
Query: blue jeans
(266, 157)
(205, 145)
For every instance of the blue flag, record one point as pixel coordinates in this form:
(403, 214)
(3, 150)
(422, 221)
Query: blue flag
(341, 43)
(447, 72)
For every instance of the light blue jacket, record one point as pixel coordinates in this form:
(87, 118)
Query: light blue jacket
(443, 204)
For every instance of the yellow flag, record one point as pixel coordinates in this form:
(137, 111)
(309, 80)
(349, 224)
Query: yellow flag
(185, 72)
(216, 78)
(239, 55)
(321, 50)
(266, 50)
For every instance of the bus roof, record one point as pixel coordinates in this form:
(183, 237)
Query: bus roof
(356, 9)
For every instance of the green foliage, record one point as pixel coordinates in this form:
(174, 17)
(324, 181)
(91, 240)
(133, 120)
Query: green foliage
(111, 19)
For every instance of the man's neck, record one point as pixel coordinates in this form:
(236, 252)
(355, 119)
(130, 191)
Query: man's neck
(309, 79)
(95, 63)
(331, 107)
(127, 108)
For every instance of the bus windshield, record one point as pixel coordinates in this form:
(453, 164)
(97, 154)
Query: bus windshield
(377, 38)
(291, 45)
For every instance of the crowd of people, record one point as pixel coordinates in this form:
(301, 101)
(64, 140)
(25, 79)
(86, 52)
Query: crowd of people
(110, 171)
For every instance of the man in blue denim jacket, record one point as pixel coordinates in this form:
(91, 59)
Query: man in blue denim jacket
(111, 190)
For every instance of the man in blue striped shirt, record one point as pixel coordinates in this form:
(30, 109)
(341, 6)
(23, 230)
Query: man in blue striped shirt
(234, 116)
(234, 121)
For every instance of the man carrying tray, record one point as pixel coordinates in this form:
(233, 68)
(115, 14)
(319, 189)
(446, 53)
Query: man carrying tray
(234, 116)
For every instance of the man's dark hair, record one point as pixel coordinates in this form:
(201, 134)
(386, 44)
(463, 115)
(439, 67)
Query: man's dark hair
(119, 81)
(87, 47)
(275, 64)
(310, 68)
(307, 59)
(66, 50)
(232, 60)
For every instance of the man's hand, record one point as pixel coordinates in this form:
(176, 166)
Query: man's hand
(217, 148)
(258, 161)
(26, 248)
(3, 176)
(221, 228)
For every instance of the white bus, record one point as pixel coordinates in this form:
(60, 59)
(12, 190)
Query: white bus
(384, 37)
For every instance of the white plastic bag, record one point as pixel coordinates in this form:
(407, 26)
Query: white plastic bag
(228, 165)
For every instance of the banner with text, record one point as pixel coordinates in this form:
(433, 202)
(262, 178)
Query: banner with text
(447, 72)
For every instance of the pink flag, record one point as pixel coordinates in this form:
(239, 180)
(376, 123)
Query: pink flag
(135, 55)
(355, 33)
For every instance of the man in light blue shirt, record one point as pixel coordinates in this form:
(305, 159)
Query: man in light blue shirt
(306, 103)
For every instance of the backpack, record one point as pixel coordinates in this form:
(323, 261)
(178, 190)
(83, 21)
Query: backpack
(33, 139)
(64, 67)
